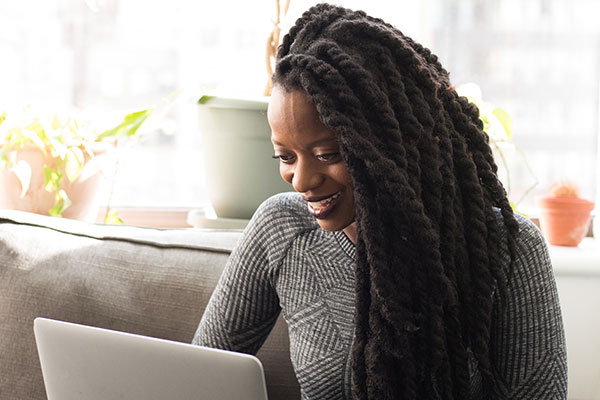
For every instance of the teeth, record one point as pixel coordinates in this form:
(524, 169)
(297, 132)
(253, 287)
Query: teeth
(320, 205)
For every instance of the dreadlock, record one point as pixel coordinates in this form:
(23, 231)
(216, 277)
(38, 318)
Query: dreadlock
(425, 189)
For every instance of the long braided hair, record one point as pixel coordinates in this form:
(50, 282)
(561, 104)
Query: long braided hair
(425, 188)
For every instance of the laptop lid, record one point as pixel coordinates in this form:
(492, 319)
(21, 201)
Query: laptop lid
(87, 363)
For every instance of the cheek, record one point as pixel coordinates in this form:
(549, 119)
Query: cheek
(286, 173)
(342, 176)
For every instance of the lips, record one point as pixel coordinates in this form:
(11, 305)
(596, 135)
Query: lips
(321, 207)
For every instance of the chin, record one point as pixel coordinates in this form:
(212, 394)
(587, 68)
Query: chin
(328, 226)
(333, 226)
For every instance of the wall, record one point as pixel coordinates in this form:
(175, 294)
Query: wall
(577, 272)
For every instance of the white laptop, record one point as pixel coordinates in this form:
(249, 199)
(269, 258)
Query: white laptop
(87, 363)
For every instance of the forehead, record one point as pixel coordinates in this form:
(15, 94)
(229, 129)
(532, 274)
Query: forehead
(291, 114)
(290, 107)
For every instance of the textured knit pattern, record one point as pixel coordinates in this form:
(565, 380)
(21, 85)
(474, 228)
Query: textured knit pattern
(286, 263)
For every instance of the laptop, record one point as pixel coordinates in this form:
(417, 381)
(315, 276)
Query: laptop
(88, 363)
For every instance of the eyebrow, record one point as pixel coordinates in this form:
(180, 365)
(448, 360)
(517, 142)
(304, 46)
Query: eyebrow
(312, 144)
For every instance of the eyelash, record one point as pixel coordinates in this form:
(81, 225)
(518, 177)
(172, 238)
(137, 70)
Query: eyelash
(327, 158)
(282, 158)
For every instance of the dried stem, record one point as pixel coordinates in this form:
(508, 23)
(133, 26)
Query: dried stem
(112, 185)
(273, 43)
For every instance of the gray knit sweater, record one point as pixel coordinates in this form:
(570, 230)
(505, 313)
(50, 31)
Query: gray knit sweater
(286, 263)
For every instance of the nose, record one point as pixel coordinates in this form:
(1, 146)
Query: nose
(304, 176)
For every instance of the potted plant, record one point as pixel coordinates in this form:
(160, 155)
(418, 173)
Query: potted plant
(564, 216)
(239, 170)
(56, 165)
(497, 123)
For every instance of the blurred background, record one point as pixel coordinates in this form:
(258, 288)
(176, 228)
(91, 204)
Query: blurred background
(537, 59)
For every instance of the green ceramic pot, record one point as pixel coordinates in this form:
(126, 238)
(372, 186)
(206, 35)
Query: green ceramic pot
(240, 172)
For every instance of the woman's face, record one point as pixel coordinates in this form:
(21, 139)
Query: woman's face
(310, 161)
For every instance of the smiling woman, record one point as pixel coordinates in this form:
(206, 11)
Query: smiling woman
(310, 160)
(399, 265)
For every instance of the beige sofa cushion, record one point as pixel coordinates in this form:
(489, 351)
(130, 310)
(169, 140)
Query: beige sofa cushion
(146, 281)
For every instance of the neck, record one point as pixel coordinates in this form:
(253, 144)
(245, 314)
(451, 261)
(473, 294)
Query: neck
(351, 232)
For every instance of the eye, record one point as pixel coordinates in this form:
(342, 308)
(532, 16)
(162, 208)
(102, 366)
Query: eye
(330, 157)
(284, 158)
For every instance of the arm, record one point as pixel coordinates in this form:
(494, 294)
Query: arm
(244, 305)
(527, 341)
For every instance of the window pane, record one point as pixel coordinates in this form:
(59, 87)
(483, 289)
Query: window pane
(539, 59)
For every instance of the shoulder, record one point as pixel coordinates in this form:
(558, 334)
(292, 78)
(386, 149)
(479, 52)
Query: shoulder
(531, 247)
(529, 238)
(531, 258)
(287, 211)
(288, 205)
(277, 222)
(528, 231)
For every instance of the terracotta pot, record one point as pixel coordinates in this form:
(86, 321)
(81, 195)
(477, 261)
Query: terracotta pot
(564, 221)
(84, 192)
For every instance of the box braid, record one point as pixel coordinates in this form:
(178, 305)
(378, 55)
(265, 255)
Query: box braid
(425, 189)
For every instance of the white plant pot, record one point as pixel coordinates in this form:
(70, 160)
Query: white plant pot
(240, 172)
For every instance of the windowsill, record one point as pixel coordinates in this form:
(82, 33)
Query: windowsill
(173, 218)
(163, 218)
(583, 260)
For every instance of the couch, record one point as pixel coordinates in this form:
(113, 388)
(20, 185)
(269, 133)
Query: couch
(153, 282)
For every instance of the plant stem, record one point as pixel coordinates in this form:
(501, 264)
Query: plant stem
(112, 185)
(530, 170)
(505, 165)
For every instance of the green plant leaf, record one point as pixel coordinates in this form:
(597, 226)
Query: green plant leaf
(35, 131)
(22, 170)
(57, 148)
(129, 125)
(204, 98)
(61, 203)
(31, 133)
(3, 159)
(514, 208)
(57, 123)
(55, 211)
(113, 218)
(74, 160)
(486, 123)
(505, 120)
(52, 179)
(66, 139)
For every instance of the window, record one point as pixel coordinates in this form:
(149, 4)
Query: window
(538, 59)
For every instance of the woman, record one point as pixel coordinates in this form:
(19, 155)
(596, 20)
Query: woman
(399, 265)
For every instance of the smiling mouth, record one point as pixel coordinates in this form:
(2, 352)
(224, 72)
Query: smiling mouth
(322, 208)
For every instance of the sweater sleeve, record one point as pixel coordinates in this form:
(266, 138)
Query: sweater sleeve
(244, 305)
(528, 343)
